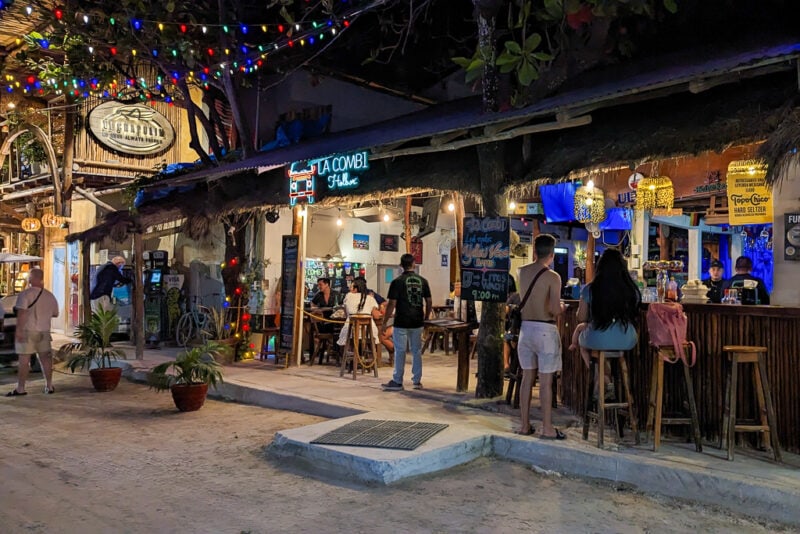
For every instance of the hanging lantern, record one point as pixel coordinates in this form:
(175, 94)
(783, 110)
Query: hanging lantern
(31, 224)
(51, 220)
(590, 204)
(655, 192)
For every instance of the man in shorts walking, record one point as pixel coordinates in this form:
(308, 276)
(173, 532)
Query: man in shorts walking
(35, 307)
(539, 346)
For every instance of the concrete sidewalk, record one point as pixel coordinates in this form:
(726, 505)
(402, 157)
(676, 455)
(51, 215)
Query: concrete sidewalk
(752, 485)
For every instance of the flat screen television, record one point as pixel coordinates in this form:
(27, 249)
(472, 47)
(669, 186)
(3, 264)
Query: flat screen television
(429, 217)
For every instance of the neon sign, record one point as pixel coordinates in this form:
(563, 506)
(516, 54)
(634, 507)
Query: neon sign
(341, 171)
(301, 183)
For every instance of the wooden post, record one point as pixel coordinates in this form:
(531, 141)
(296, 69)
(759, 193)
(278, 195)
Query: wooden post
(458, 200)
(589, 258)
(86, 260)
(407, 225)
(298, 229)
(137, 318)
(69, 149)
(663, 243)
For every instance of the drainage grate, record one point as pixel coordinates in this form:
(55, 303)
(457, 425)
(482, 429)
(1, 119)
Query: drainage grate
(405, 435)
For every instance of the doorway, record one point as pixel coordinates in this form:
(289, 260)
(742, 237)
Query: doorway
(58, 284)
(386, 273)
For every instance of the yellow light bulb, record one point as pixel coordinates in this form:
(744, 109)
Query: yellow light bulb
(512, 205)
(385, 217)
(451, 207)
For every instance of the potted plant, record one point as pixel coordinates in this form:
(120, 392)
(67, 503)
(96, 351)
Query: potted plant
(192, 372)
(219, 330)
(93, 350)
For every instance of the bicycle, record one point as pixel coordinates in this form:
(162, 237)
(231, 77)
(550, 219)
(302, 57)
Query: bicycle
(194, 324)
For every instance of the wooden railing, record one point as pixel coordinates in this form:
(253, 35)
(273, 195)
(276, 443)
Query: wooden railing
(710, 326)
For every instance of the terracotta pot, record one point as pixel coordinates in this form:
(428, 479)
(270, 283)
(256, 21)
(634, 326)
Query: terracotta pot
(189, 397)
(105, 378)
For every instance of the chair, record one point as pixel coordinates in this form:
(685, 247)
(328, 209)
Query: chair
(324, 343)
(360, 350)
(766, 423)
(597, 369)
(432, 334)
(654, 413)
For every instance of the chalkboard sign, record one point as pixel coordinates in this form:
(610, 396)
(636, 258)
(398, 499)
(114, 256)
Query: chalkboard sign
(485, 259)
(288, 289)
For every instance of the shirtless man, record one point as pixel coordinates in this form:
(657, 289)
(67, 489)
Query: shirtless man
(539, 346)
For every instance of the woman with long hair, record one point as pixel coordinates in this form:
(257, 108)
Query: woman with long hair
(358, 302)
(609, 308)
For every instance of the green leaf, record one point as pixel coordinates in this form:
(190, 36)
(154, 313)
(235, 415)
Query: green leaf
(533, 42)
(473, 75)
(513, 47)
(542, 56)
(507, 59)
(476, 64)
(462, 62)
(527, 74)
(554, 8)
(671, 6)
(170, 7)
(36, 35)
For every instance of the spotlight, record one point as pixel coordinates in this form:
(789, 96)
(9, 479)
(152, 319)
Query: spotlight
(385, 217)
(271, 216)
(451, 207)
(339, 221)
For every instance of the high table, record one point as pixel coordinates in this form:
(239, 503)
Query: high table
(460, 330)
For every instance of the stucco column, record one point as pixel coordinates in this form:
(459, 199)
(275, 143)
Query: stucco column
(695, 267)
(785, 199)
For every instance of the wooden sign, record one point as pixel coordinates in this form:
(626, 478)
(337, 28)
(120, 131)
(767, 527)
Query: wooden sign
(485, 259)
(131, 128)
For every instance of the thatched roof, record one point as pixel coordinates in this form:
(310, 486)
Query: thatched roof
(780, 149)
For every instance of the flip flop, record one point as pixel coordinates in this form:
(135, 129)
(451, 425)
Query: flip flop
(559, 435)
(15, 393)
(528, 433)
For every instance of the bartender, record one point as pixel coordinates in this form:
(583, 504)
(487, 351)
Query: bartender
(714, 282)
(743, 267)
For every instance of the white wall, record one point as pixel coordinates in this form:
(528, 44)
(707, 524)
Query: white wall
(785, 199)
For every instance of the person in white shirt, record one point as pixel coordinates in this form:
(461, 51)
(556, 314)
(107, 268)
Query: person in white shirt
(358, 302)
(35, 307)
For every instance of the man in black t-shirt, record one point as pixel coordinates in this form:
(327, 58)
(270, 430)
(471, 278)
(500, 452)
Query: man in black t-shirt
(410, 301)
(715, 282)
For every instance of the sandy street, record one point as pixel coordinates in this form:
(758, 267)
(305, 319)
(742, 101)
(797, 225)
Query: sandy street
(127, 461)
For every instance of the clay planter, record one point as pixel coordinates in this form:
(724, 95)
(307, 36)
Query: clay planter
(189, 397)
(105, 378)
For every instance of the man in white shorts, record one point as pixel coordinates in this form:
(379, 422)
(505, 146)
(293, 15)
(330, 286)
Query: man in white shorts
(35, 307)
(539, 345)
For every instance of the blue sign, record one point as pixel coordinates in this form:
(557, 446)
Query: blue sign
(337, 172)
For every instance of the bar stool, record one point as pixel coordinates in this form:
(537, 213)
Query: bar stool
(360, 348)
(434, 334)
(742, 354)
(654, 412)
(599, 358)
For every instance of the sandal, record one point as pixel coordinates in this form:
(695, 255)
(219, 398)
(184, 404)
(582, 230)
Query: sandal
(559, 435)
(530, 432)
(15, 393)
(49, 391)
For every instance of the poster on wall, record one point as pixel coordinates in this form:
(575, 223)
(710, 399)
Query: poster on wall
(288, 289)
(749, 196)
(485, 259)
(445, 259)
(361, 241)
(416, 250)
(791, 245)
(389, 243)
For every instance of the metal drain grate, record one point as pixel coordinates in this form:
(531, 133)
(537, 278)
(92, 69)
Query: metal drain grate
(405, 435)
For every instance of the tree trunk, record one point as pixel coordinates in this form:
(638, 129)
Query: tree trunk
(492, 173)
(69, 151)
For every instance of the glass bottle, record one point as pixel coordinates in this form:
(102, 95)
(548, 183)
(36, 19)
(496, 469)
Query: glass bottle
(661, 284)
(672, 289)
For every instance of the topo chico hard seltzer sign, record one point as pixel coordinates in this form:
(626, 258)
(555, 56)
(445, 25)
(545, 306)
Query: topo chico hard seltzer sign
(131, 128)
(749, 196)
(485, 258)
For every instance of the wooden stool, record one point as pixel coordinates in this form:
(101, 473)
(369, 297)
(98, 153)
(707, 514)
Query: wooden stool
(654, 412)
(432, 333)
(766, 422)
(599, 362)
(360, 347)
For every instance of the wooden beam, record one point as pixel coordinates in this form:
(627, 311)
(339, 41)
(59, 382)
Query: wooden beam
(86, 260)
(443, 139)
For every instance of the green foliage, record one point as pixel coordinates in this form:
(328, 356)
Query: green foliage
(93, 348)
(194, 366)
(218, 320)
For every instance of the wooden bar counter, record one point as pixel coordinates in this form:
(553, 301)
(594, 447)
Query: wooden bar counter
(710, 327)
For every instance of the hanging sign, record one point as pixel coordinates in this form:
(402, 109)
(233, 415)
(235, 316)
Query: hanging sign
(333, 173)
(749, 197)
(628, 197)
(791, 245)
(485, 259)
(131, 128)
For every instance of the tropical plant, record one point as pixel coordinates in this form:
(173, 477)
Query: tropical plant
(217, 326)
(197, 365)
(93, 348)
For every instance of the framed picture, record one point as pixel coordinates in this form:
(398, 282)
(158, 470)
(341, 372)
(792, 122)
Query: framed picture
(445, 259)
(361, 241)
(416, 250)
(389, 243)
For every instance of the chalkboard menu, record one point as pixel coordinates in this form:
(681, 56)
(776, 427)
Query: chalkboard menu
(485, 259)
(288, 289)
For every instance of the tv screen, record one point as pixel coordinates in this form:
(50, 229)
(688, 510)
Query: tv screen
(558, 201)
(430, 215)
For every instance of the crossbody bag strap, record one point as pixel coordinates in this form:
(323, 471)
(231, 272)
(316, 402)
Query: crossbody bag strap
(35, 300)
(530, 288)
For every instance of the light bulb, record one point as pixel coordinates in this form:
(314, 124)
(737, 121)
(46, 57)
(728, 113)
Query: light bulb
(385, 217)
(302, 212)
(589, 201)
(451, 207)
(590, 185)
(652, 188)
(512, 205)
(339, 221)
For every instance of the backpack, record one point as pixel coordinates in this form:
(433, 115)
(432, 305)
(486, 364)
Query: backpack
(666, 326)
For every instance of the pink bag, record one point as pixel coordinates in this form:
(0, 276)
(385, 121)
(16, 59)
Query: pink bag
(666, 326)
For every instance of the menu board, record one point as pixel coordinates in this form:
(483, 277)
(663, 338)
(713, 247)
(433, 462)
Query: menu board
(340, 273)
(485, 259)
(289, 256)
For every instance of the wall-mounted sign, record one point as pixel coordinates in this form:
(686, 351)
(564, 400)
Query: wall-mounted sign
(529, 208)
(485, 259)
(791, 245)
(628, 197)
(749, 198)
(131, 128)
(334, 173)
